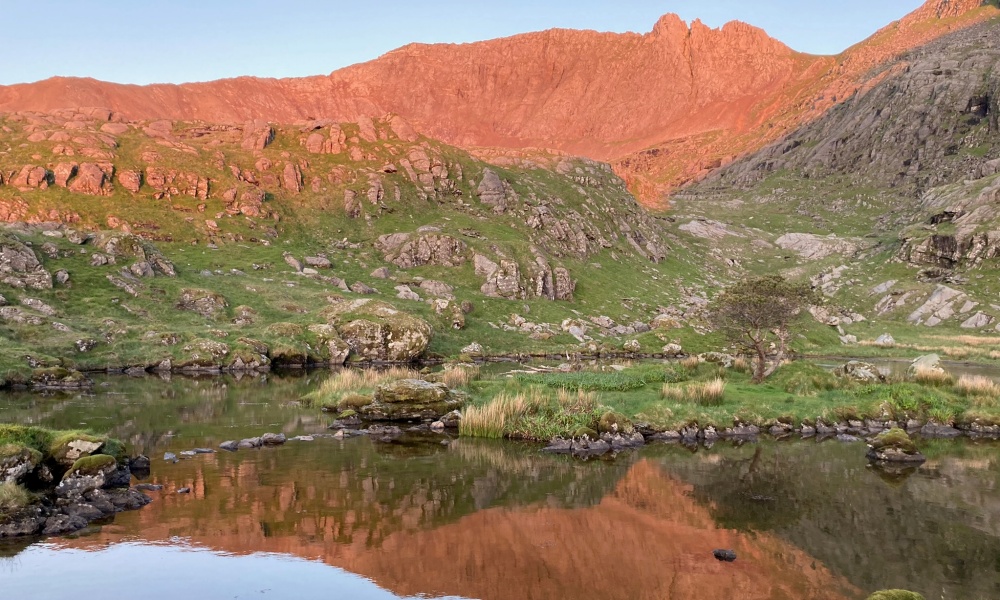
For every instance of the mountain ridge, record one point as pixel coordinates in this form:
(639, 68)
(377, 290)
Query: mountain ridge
(665, 107)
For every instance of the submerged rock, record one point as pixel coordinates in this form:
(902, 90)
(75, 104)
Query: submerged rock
(411, 400)
(894, 445)
(724, 555)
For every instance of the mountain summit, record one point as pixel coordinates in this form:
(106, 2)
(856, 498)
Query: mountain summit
(665, 107)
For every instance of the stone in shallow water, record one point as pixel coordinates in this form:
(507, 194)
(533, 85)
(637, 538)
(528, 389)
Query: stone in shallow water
(724, 555)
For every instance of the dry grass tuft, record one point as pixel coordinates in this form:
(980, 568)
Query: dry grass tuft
(492, 419)
(741, 365)
(691, 363)
(13, 497)
(579, 401)
(932, 376)
(705, 393)
(456, 377)
(349, 380)
(978, 386)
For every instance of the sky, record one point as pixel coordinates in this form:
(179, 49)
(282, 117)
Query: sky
(149, 41)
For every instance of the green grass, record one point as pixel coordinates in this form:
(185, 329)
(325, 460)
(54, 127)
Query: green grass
(798, 393)
(13, 498)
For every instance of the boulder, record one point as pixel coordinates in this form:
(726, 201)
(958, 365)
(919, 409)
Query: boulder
(376, 331)
(87, 474)
(411, 399)
(718, 358)
(204, 302)
(894, 445)
(861, 372)
(925, 363)
(885, 341)
(66, 451)
(16, 462)
(19, 267)
(673, 350)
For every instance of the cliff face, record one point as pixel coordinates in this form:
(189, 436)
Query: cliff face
(666, 107)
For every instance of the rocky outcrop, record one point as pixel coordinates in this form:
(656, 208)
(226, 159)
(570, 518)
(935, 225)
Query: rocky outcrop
(129, 246)
(257, 135)
(814, 247)
(19, 267)
(894, 446)
(407, 250)
(204, 302)
(939, 307)
(92, 179)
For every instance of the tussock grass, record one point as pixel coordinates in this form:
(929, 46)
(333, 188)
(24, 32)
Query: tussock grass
(336, 389)
(493, 419)
(977, 386)
(691, 363)
(577, 402)
(456, 377)
(704, 393)
(741, 365)
(932, 376)
(13, 498)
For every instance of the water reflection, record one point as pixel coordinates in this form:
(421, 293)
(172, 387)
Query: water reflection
(499, 520)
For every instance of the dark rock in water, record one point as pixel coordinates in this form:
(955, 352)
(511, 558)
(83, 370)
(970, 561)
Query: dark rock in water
(273, 439)
(119, 478)
(585, 448)
(724, 555)
(894, 446)
(230, 445)
(22, 525)
(384, 433)
(149, 487)
(250, 443)
(184, 490)
(559, 446)
(203, 451)
(139, 463)
(938, 430)
(351, 422)
(665, 436)
(624, 442)
(61, 524)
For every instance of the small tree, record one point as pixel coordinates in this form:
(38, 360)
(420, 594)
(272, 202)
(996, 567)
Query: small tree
(755, 313)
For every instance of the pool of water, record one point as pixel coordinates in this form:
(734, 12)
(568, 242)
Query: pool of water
(472, 519)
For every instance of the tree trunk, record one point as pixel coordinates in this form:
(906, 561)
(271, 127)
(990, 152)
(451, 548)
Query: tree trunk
(761, 368)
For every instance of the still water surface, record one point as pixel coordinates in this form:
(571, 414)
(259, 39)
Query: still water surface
(474, 519)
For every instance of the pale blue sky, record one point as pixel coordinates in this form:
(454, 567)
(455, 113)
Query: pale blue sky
(145, 41)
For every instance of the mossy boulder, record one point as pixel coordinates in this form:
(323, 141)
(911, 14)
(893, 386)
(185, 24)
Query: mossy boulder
(204, 302)
(337, 350)
(87, 474)
(411, 400)
(613, 422)
(354, 401)
(289, 354)
(585, 431)
(289, 330)
(66, 448)
(894, 445)
(376, 331)
(95, 464)
(17, 461)
(59, 378)
(202, 354)
(861, 372)
(895, 595)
